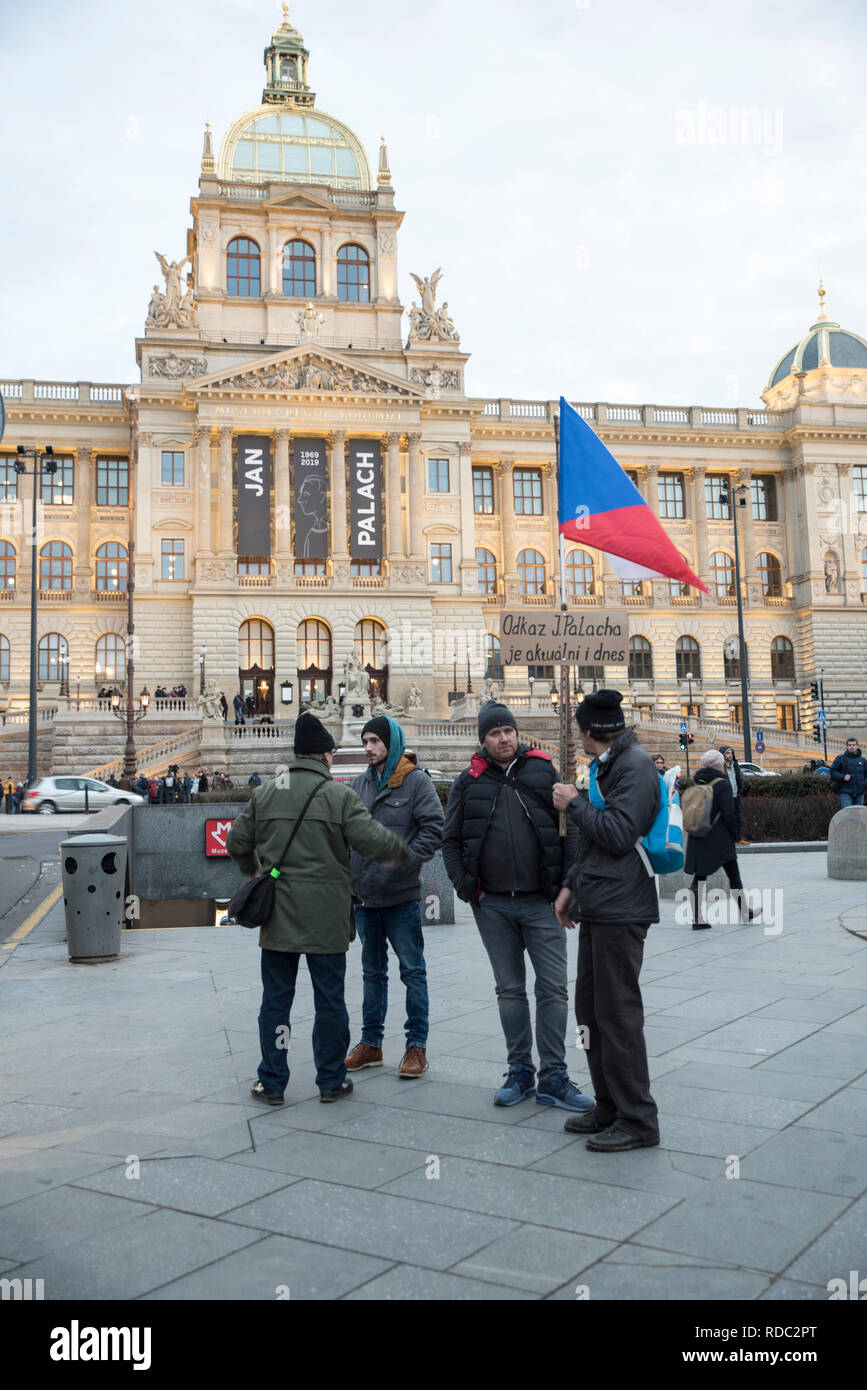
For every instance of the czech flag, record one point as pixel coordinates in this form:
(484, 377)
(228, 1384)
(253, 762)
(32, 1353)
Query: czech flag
(600, 507)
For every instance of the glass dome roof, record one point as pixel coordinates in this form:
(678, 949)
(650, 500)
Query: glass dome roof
(279, 146)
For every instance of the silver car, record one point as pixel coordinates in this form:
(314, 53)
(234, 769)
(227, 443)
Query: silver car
(52, 794)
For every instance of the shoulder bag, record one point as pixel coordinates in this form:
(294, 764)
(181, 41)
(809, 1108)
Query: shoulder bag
(253, 904)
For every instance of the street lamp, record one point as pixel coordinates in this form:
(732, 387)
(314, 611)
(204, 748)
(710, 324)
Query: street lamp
(43, 461)
(739, 501)
(63, 662)
(204, 653)
(532, 683)
(554, 694)
(469, 677)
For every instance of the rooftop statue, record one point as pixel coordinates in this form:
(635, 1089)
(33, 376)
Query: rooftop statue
(173, 309)
(427, 323)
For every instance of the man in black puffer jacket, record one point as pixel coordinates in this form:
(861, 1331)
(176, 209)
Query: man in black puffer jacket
(504, 854)
(614, 897)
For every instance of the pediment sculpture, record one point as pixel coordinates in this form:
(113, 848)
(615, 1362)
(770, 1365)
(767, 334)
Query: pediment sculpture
(308, 374)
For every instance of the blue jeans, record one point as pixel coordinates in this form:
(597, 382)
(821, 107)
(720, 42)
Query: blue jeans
(330, 1025)
(400, 925)
(847, 799)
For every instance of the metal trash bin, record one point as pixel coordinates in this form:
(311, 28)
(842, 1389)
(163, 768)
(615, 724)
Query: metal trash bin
(94, 876)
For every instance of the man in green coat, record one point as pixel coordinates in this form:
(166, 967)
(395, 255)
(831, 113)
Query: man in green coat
(312, 903)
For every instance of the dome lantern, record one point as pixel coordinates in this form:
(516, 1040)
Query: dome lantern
(286, 61)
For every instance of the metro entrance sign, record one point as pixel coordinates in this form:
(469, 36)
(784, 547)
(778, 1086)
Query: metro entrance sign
(216, 834)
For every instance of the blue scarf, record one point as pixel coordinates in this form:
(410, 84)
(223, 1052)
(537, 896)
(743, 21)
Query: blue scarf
(396, 747)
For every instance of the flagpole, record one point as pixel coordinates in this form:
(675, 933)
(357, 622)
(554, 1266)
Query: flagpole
(564, 669)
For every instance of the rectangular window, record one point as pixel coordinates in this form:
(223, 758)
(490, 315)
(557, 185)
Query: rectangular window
(112, 482)
(540, 673)
(310, 569)
(670, 492)
(8, 480)
(56, 487)
(764, 491)
(441, 564)
(632, 476)
(859, 482)
(786, 717)
(173, 559)
(528, 492)
(716, 485)
(483, 491)
(438, 475)
(173, 469)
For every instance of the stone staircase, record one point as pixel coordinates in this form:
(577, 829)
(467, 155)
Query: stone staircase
(14, 751)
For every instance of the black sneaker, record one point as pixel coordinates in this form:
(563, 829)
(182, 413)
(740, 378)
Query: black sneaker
(587, 1123)
(258, 1092)
(345, 1089)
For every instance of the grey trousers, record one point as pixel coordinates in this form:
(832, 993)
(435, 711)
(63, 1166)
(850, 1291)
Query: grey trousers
(509, 927)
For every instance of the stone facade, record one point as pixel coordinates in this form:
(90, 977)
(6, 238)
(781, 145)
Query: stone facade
(286, 359)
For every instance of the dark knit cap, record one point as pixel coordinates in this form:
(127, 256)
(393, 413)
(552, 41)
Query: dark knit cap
(379, 726)
(311, 736)
(494, 716)
(600, 713)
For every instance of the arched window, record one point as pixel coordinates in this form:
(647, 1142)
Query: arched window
(531, 572)
(487, 571)
(864, 570)
(782, 659)
(299, 270)
(371, 644)
(687, 658)
(256, 645)
(722, 574)
(112, 567)
(494, 668)
(4, 659)
(579, 574)
(353, 275)
(732, 659)
(631, 588)
(7, 565)
(243, 267)
(109, 660)
(55, 566)
(314, 660)
(770, 574)
(640, 659)
(53, 656)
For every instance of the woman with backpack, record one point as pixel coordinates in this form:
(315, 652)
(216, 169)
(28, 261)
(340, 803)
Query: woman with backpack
(711, 823)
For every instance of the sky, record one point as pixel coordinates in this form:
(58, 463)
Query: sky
(631, 200)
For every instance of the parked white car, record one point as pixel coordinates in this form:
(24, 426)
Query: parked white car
(753, 770)
(52, 794)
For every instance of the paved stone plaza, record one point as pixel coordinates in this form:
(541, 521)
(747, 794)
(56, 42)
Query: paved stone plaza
(424, 1190)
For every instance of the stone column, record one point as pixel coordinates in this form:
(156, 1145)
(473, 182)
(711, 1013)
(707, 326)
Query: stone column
(395, 505)
(204, 538)
(749, 573)
(327, 281)
(699, 514)
(84, 493)
(415, 499)
(550, 518)
(226, 493)
(469, 571)
(507, 505)
(652, 480)
(338, 496)
(283, 500)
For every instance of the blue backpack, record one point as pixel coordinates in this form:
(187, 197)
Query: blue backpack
(661, 849)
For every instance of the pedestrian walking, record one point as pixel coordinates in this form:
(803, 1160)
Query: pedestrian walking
(250, 707)
(153, 792)
(732, 770)
(711, 823)
(613, 897)
(659, 764)
(203, 781)
(397, 794)
(849, 775)
(8, 794)
(224, 705)
(238, 706)
(505, 856)
(254, 781)
(312, 914)
(141, 785)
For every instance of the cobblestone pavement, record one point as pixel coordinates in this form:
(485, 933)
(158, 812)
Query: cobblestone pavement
(133, 1163)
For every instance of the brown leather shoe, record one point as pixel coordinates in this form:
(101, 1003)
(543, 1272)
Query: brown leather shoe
(363, 1056)
(414, 1063)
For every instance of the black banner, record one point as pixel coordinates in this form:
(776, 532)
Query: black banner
(311, 499)
(365, 482)
(254, 496)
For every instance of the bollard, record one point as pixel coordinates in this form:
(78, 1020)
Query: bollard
(94, 874)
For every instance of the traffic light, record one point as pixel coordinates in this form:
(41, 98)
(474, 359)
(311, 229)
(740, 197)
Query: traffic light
(814, 691)
(817, 733)
(683, 742)
(690, 738)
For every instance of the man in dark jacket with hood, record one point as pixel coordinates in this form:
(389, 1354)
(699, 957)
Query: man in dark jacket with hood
(614, 898)
(849, 775)
(399, 795)
(504, 854)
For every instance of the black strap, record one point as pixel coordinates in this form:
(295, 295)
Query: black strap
(275, 873)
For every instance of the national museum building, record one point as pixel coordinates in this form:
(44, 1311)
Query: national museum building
(299, 478)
